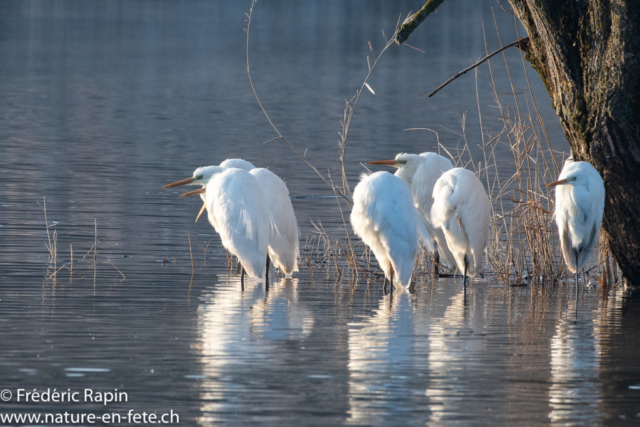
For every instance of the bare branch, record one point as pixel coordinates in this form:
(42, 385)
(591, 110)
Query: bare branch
(466, 70)
(412, 23)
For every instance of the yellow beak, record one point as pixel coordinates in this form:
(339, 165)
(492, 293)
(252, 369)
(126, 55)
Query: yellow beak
(392, 163)
(181, 182)
(202, 209)
(553, 184)
(194, 192)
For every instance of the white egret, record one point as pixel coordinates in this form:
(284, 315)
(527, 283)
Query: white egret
(238, 211)
(237, 163)
(283, 240)
(384, 217)
(202, 175)
(579, 209)
(462, 210)
(421, 172)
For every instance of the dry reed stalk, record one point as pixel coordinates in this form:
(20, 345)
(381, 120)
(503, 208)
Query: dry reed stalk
(55, 253)
(523, 244)
(117, 269)
(204, 250)
(55, 272)
(46, 222)
(306, 254)
(193, 269)
(350, 107)
(280, 136)
(95, 244)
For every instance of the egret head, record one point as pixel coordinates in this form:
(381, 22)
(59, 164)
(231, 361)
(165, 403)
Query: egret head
(406, 163)
(237, 163)
(569, 180)
(201, 176)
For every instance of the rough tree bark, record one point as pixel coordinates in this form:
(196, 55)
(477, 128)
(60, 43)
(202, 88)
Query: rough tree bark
(587, 53)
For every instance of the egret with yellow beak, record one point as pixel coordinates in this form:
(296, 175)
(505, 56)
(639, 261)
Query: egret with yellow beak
(238, 211)
(579, 210)
(420, 173)
(283, 245)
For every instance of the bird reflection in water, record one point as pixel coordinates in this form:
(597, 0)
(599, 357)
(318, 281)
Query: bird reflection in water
(387, 348)
(447, 355)
(239, 330)
(380, 350)
(575, 350)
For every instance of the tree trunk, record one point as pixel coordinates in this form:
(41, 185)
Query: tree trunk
(588, 55)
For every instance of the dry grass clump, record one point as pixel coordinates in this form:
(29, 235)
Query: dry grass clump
(56, 265)
(524, 245)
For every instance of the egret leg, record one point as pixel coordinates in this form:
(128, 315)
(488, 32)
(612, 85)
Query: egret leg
(436, 261)
(577, 291)
(392, 285)
(239, 268)
(464, 281)
(241, 278)
(266, 278)
(268, 262)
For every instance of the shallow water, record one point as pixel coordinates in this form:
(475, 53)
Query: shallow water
(105, 102)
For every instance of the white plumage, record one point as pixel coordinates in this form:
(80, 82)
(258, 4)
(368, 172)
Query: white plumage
(202, 174)
(462, 210)
(283, 239)
(421, 172)
(385, 218)
(579, 210)
(237, 163)
(283, 242)
(237, 209)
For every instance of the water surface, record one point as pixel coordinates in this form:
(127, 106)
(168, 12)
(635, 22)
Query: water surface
(105, 102)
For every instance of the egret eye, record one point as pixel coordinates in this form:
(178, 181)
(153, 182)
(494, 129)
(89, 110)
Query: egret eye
(402, 162)
(199, 177)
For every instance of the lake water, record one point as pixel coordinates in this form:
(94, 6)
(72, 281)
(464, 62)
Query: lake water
(102, 103)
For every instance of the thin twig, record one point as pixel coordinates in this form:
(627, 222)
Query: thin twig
(503, 8)
(55, 272)
(248, 31)
(46, 223)
(114, 266)
(348, 113)
(95, 245)
(193, 269)
(88, 252)
(477, 64)
(55, 250)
